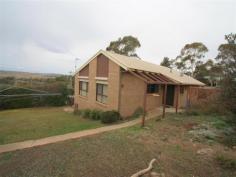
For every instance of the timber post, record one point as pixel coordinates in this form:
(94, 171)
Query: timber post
(164, 101)
(144, 106)
(177, 99)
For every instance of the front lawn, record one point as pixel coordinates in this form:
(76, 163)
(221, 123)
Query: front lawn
(33, 123)
(174, 141)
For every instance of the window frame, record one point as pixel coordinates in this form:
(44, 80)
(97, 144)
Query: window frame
(154, 90)
(81, 90)
(103, 96)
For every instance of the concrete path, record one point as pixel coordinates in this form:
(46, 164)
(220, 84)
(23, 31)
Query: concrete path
(73, 135)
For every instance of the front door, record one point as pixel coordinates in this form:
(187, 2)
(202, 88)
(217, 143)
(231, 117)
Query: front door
(170, 95)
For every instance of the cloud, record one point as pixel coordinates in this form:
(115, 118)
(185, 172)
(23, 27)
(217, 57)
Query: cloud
(45, 35)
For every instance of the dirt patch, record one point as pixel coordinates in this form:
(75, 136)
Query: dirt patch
(68, 109)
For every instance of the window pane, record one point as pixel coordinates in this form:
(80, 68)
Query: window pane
(104, 99)
(104, 89)
(99, 98)
(84, 86)
(99, 89)
(152, 88)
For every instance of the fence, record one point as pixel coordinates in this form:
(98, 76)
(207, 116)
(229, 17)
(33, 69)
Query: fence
(198, 95)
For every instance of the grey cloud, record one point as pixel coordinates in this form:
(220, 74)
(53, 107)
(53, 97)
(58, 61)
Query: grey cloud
(62, 28)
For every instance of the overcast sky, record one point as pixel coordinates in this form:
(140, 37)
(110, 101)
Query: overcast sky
(47, 36)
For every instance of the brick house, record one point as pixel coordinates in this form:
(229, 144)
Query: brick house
(109, 81)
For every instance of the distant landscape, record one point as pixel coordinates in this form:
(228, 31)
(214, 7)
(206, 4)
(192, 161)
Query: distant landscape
(25, 89)
(21, 74)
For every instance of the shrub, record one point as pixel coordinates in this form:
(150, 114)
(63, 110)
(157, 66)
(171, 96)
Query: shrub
(95, 114)
(85, 113)
(210, 107)
(77, 112)
(192, 112)
(110, 116)
(226, 163)
(138, 112)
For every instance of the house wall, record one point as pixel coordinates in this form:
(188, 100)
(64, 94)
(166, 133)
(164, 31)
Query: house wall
(154, 100)
(113, 81)
(132, 95)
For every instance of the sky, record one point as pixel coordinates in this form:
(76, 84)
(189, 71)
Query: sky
(47, 36)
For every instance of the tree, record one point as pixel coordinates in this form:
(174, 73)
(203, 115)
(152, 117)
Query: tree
(125, 46)
(209, 73)
(227, 59)
(190, 57)
(166, 62)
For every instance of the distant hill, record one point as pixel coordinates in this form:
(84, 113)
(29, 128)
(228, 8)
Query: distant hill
(20, 74)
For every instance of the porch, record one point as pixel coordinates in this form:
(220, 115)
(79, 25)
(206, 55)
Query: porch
(170, 94)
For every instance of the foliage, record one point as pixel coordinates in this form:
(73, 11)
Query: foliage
(190, 56)
(95, 114)
(209, 107)
(125, 46)
(7, 80)
(26, 102)
(227, 59)
(209, 72)
(166, 62)
(192, 112)
(85, 113)
(226, 162)
(138, 112)
(110, 117)
(35, 86)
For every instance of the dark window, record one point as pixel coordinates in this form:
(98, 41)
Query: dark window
(83, 88)
(152, 88)
(181, 89)
(101, 95)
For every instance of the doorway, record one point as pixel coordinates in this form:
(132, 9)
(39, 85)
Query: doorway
(170, 95)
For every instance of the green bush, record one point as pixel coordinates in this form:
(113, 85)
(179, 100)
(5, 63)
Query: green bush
(85, 113)
(226, 163)
(77, 112)
(95, 114)
(110, 117)
(192, 112)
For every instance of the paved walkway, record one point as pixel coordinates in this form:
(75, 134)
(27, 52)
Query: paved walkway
(73, 135)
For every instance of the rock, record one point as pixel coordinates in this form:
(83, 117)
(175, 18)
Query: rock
(234, 147)
(204, 151)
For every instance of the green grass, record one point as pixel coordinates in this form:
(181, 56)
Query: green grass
(33, 123)
(124, 152)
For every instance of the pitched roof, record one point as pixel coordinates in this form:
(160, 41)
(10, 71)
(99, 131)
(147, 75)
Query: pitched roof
(135, 63)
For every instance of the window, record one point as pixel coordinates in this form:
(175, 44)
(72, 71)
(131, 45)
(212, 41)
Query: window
(181, 89)
(101, 95)
(83, 88)
(152, 88)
